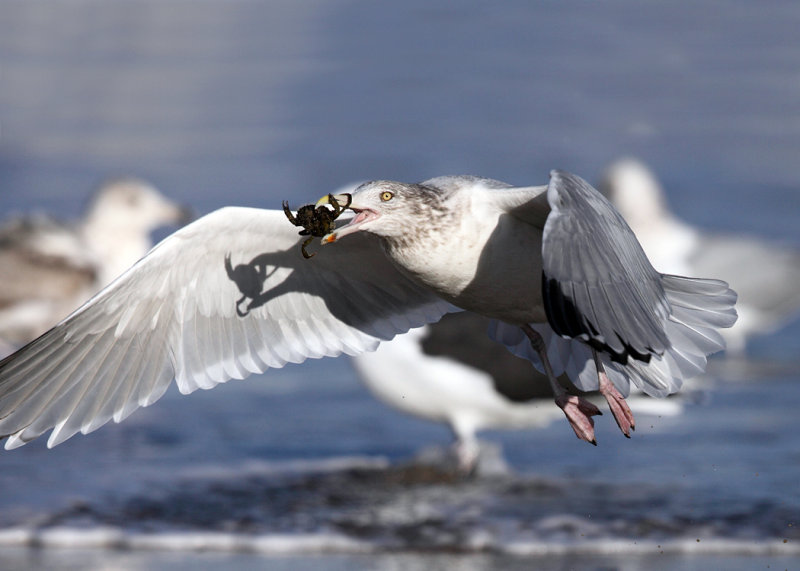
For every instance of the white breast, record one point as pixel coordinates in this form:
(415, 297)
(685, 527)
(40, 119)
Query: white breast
(486, 261)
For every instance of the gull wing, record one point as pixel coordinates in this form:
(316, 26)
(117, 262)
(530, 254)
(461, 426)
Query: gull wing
(599, 288)
(224, 297)
(528, 203)
(597, 283)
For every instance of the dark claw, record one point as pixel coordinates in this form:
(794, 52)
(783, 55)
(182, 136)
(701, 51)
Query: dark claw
(337, 208)
(316, 220)
(288, 212)
(306, 255)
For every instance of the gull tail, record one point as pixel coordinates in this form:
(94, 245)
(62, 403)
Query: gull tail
(698, 309)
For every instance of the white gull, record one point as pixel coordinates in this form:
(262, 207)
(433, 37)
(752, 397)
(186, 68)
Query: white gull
(556, 268)
(452, 373)
(49, 267)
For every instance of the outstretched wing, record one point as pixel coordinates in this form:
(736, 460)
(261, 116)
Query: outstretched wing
(224, 297)
(597, 283)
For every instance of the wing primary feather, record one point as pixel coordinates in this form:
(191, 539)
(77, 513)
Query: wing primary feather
(95, 411)
(65, 413)
(38, 395)
(127, 401)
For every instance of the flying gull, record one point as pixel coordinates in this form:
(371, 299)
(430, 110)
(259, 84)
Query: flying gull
(555, 267)
(49, 267)
(765, 274)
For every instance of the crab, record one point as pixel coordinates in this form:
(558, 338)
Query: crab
(316, 220)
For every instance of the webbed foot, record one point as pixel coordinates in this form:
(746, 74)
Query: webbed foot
(579, 412)
(616, 402)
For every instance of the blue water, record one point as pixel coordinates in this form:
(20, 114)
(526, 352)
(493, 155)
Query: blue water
(250, 103)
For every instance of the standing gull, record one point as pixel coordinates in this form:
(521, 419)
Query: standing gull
(49, 267)
(451, 372)
(555, 267)
(764, 274)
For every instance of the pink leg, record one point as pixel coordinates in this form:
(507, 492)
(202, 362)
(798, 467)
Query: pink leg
(578, 410)
(616, 402)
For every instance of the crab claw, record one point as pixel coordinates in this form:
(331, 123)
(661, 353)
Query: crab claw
(342, 200)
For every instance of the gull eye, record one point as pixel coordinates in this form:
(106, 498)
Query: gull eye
(386, 195)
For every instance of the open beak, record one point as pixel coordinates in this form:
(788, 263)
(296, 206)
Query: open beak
(344, 201)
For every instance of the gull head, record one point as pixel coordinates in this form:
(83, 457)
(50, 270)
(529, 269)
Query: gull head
(386, 208)
(635, 192)
(135, 206)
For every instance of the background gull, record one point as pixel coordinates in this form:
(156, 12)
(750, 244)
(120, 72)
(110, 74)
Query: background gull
(451, 372)
(49, 267)
(410, 254)
(764, 274)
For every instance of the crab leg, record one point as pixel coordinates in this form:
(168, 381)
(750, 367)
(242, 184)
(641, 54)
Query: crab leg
(288, 212)
(306, 255)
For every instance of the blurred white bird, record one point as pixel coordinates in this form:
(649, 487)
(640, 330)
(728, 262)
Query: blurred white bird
(764, 274)
(49, 267)
(451, 372)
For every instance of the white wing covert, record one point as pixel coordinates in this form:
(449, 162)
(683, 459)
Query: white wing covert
(224, 297)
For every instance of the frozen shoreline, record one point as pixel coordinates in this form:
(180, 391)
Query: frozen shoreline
(114, 539)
